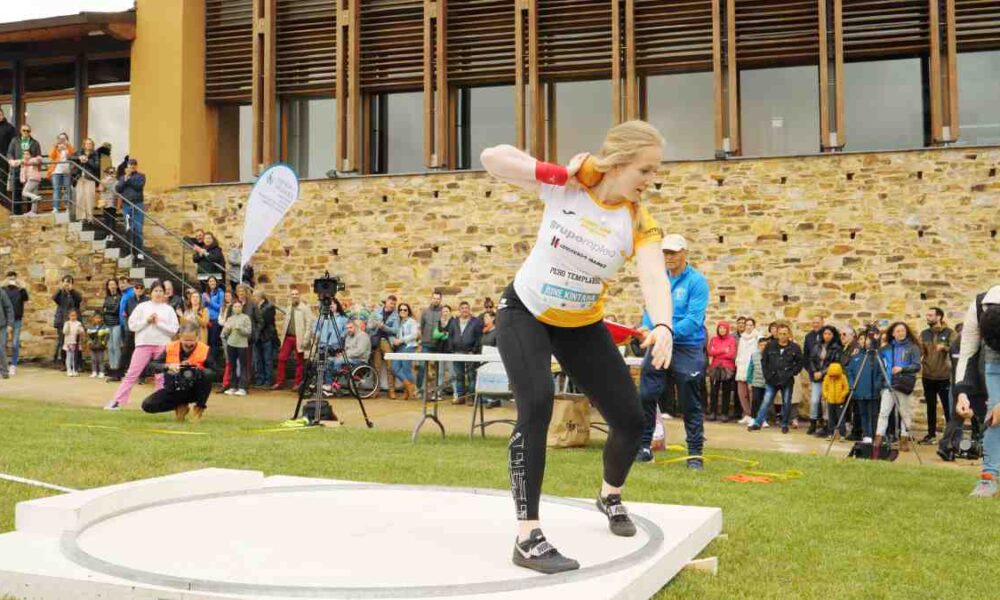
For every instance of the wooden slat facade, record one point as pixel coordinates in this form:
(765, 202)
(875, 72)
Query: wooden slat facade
(306, 51)
(228, 50)
(375, 47)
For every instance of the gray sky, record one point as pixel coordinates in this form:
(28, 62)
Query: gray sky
(23, 11)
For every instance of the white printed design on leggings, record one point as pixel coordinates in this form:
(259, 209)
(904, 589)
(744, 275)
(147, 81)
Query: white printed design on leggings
(518, 476)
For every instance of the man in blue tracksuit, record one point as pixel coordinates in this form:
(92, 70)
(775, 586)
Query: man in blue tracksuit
(689, 290)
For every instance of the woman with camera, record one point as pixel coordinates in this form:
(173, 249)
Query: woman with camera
(187, 366)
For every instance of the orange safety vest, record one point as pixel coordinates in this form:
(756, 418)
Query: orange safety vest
(197, 358)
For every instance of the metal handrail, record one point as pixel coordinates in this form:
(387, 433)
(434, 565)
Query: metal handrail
(83, 172)
(185, 245)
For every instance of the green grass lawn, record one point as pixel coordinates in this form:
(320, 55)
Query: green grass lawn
(844, 530)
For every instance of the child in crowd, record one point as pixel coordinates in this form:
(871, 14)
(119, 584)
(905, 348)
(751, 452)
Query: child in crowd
(97, 339)
(755, 375)
(73, 332)
(236, 334)
(835, 390)
(31, 178)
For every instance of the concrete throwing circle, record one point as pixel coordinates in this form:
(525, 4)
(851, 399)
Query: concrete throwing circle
(348, 541)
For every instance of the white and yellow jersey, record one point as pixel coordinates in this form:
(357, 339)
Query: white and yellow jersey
(581, 243)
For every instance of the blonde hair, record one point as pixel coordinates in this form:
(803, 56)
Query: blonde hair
(624, 142)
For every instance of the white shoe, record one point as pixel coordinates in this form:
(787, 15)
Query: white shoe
(93, 375)
(101, 375)
(13, 370)
(112, 406)
(866, 440)
(229, 392)
(666, 416)
(69, 373)
(764, 425)
(240, 393)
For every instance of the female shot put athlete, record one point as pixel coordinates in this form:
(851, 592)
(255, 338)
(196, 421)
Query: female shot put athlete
(555, 306)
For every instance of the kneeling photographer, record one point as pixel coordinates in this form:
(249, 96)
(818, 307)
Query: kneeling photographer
(188, 366)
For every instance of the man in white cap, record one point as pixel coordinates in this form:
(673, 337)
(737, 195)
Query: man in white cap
(686, 371)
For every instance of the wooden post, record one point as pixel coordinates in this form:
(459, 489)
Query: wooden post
(935, 70)
(264, 93)
(443, 105)
(733, 96)
(824, 77)
(519, 76)
(429, 9)
(350, 124)
(535, 91)
(838, 64)
(616, 62)
(632, 110)
(951, 95)
(717, 81)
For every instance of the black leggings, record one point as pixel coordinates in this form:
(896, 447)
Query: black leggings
(589, 356)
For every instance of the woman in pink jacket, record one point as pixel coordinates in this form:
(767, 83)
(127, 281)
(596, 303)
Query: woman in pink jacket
(721, 371)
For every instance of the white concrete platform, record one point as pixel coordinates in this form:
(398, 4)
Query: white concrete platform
(219, 533)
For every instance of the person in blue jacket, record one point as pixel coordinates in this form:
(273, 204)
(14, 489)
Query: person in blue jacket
(689, 290)
(866, 381)
(901, 357)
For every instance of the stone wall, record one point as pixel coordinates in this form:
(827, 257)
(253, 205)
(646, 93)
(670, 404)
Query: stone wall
(42, 251)
(777, 238)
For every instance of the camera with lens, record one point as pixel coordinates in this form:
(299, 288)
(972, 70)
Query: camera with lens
(873, 334)
(970, 449)
(185, 379)
(327, 287)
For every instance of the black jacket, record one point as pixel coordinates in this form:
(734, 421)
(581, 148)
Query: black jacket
(816, 364)
(265, 325)
(7, 133)
(781, 363)
(18, 297)
(131, 187)
(92, 165)
(470, 342)
(65, 301)
(812, 339)
(130, 305)
(109, 310)
(14, 148)
(212, 263)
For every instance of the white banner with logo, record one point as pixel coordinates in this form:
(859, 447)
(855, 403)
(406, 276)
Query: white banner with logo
(275, 192)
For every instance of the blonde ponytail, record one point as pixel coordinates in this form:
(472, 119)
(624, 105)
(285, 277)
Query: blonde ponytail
(624, 142)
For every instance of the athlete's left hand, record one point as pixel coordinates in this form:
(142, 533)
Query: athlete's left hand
(663, 346)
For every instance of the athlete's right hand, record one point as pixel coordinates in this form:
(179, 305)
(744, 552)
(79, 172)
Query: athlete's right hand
(573, 167)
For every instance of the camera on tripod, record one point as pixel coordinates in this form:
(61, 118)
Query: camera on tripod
(326, 287)
(873, 334)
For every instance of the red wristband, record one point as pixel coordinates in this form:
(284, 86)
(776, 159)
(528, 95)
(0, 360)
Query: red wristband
(551, 173)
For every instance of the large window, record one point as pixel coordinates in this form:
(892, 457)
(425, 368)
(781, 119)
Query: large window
(108, 71)
(583, 117)
(490, 121)
(883, 105)
(108, 121)
(49, 78)
(49, 118)
(681, 107)
(246, 143)
(404, 135)
(311, 136)
(779, 111)
(979, 97)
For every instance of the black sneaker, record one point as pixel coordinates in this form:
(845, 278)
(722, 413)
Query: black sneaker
(695, 464)
(928, 439)
(784, 429)
(753, 427)
(618, 519)
(644, 455)
(538, 555)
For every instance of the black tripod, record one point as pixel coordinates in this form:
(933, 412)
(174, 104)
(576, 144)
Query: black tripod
(871, 354)
(316, 367)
